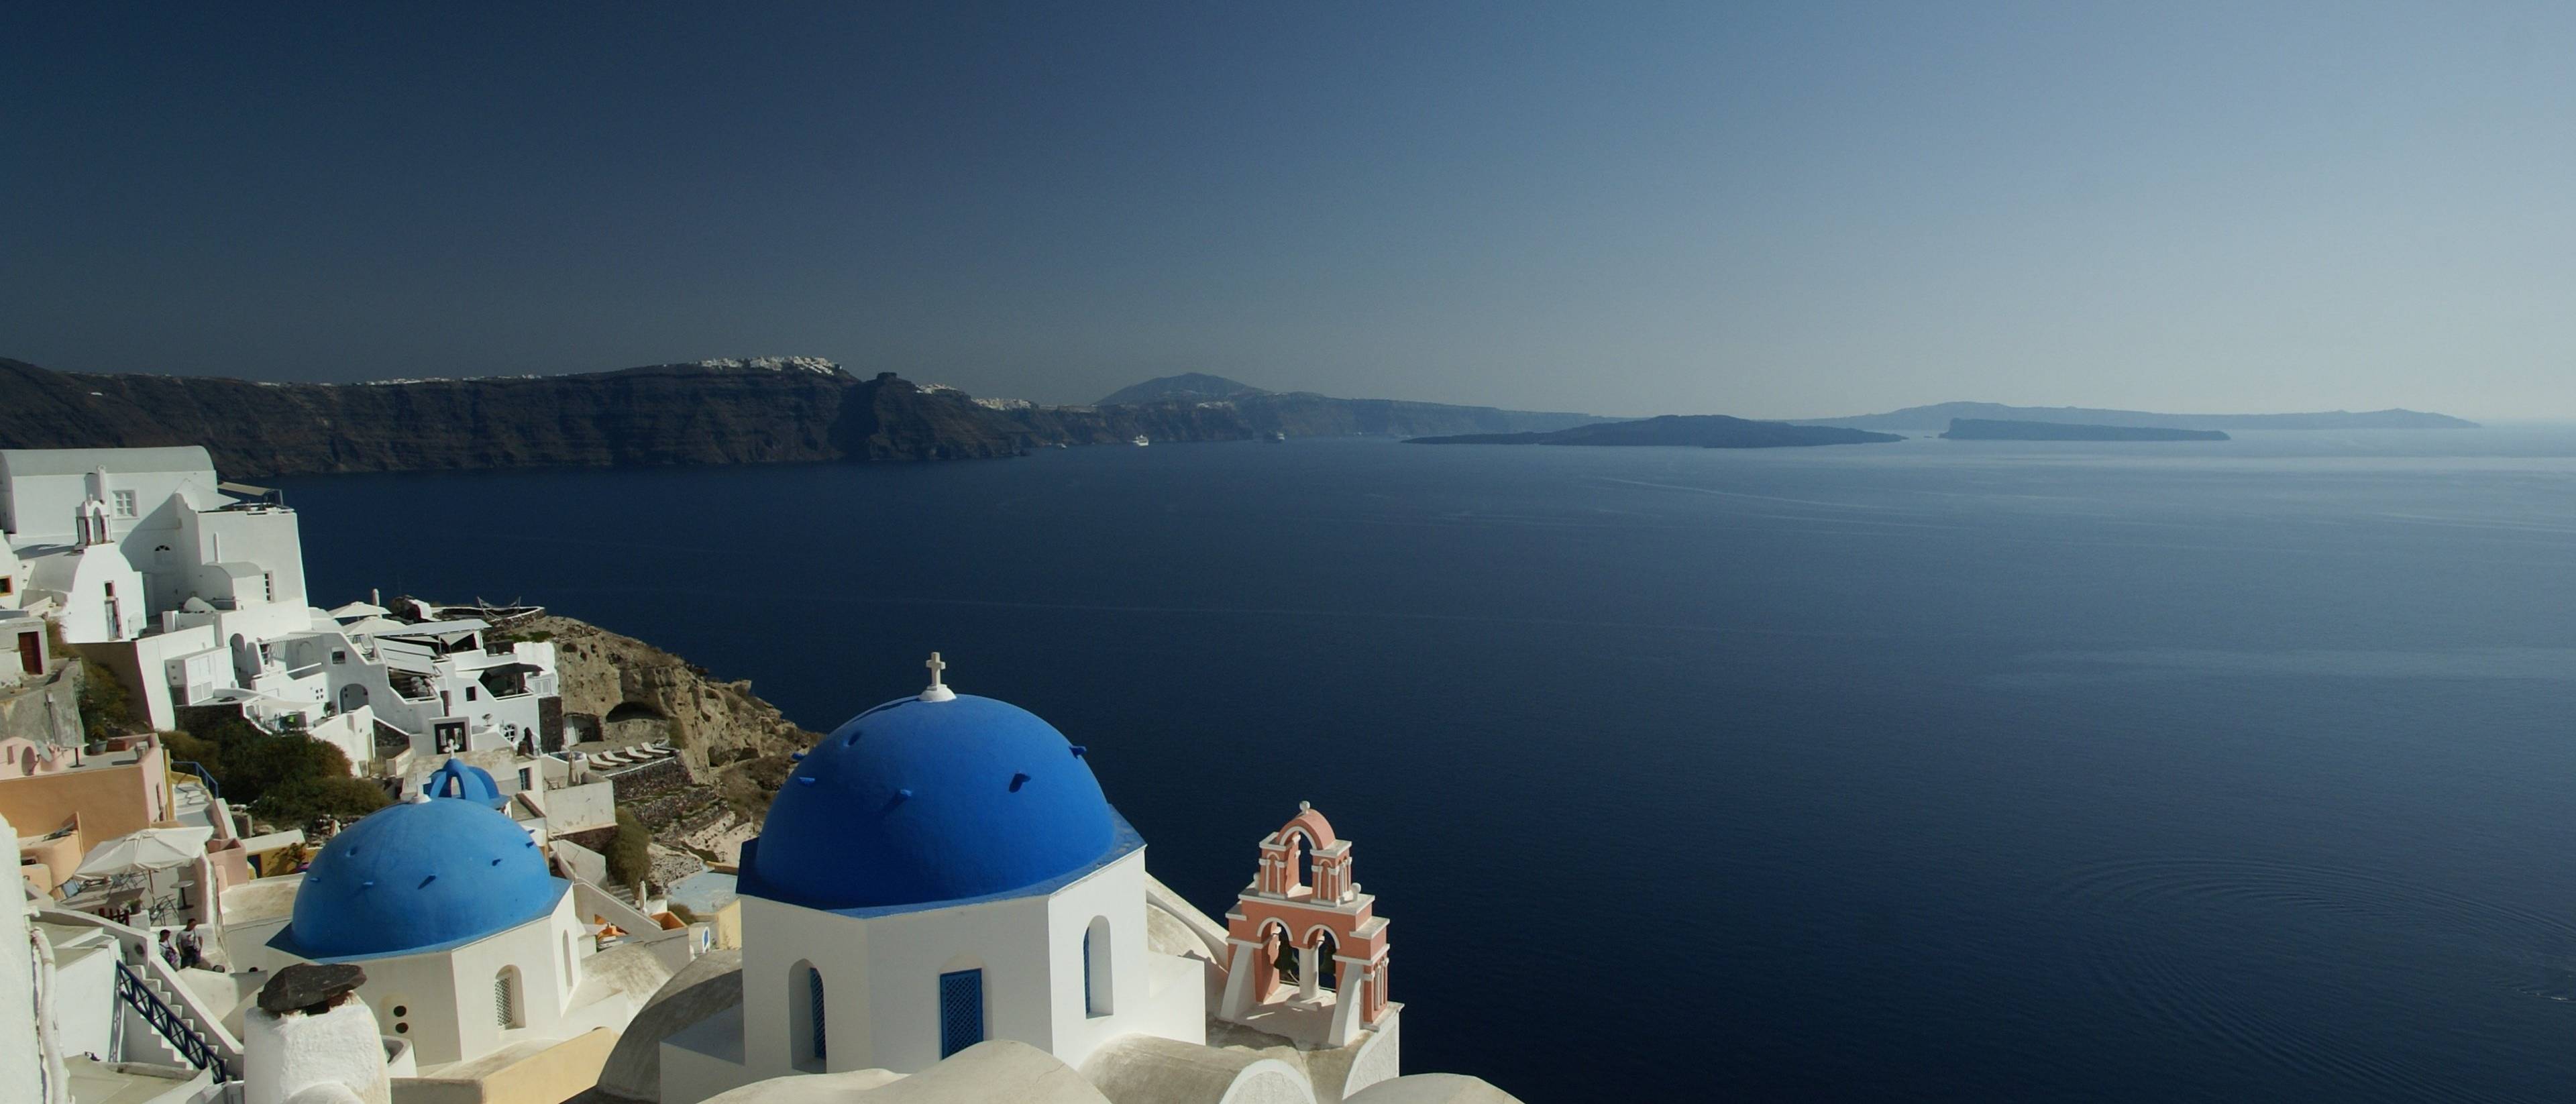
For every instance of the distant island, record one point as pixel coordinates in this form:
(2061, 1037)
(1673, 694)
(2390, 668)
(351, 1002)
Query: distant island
(1926, 419)
(1989, 429)
(1197, 397)
(1684, 430)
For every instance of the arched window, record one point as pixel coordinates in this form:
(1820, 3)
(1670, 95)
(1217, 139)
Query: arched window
(1098, 985)
(506, 1009)
(1304, 862)
(806, 1039)
(1327, 971)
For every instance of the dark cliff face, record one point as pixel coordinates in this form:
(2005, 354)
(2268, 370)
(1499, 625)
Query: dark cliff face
(674, 414)
(711, 413)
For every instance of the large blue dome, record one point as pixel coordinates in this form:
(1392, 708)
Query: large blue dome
(418, 875)
(917, 801)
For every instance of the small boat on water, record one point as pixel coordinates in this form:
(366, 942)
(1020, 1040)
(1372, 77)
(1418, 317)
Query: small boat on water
(1276, 437)
(1140, 441)
(1061, 444)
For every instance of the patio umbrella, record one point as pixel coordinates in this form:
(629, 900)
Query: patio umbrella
(149, 849)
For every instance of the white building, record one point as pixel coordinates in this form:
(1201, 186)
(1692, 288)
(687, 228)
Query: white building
(941, 884)
(192, 590)
(469, 943)
(113, 537)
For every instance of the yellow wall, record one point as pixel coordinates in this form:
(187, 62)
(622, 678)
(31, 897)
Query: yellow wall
(729, 925)
(551, 1076)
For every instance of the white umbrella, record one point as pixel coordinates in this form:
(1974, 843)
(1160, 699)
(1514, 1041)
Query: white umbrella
(149, 849)
(360, 609)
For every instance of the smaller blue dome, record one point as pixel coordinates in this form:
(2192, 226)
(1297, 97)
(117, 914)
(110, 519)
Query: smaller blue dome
(917, 801)
(418, 875)
(455, 778)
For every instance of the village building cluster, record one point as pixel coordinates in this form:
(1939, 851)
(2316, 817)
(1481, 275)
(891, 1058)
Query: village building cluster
(942, 903)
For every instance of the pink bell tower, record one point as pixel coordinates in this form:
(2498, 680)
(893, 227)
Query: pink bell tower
(1303, 897)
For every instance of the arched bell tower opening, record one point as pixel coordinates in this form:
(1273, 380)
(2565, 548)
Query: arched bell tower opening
(1309, 950)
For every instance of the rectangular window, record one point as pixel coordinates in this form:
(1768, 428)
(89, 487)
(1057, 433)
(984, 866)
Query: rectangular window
(469, 693)
(8, 585)
(268, 584)
(961, 1011)
(124, 504)
(338, 656)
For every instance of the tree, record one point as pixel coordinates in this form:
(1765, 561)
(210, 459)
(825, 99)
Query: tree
(629, 860)
(250, 763)
(306, 800)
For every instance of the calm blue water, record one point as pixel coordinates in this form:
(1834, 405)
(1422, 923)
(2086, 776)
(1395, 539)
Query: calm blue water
(1931, 771)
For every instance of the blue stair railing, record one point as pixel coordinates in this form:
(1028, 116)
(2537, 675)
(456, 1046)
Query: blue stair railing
(165, 1019)
(212, 790)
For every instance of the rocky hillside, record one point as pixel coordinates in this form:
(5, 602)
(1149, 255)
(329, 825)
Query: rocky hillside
(734, 745)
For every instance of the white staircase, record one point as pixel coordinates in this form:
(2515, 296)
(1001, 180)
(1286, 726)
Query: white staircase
(197, 1022)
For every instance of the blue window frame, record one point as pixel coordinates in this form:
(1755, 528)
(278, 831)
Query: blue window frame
(814, 995)
(961, 1011)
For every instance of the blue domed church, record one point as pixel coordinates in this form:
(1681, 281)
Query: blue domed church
(940, 870)
(469, 942)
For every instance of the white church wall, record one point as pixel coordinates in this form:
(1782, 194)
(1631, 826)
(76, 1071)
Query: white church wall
(907, 952)
(532, 950)
(837, 948)
(100, 595)
(1139, 1000)
(415, 998)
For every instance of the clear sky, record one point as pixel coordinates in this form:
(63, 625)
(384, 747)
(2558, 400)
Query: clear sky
(1778, 209)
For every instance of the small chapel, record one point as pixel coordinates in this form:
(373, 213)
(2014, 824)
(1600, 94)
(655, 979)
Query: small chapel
(944, 870)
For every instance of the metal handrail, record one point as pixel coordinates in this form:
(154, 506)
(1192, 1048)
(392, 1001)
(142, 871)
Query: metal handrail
(212, 790)
(166, 1020)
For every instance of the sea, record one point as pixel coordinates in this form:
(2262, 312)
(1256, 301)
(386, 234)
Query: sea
(1921, 771)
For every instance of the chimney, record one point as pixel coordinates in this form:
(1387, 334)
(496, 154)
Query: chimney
(311, 1029)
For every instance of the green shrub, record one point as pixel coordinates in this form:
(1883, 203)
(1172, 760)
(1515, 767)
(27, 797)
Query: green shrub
(628, 859)
(104, 707)
(250, 765)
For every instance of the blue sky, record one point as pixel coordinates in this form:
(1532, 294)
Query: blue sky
(1769, 210)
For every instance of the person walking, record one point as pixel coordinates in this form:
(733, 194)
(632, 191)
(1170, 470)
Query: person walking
(169, 949)
(192, 947)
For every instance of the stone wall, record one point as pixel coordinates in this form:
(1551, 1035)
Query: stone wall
(640, 785)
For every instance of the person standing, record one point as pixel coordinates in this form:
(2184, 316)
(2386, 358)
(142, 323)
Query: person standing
(169, 949)
(192, 947)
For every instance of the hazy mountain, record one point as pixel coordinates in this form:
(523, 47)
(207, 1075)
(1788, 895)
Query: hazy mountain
(1938, 416)
(1186, 387)
(1689, 430)
(1986, 429)
(1201, 398)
